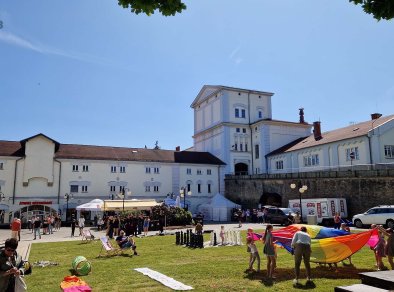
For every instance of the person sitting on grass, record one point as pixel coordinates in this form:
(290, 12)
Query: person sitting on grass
(126, 242)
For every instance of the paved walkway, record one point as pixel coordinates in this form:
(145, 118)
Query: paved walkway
(64, 234)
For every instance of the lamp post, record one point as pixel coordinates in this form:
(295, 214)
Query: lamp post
(183, 191)
(301, 190)
(122, 194)
(68, 197)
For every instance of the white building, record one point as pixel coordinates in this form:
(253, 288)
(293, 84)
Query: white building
(236, 125)
(358, 146)
(37, 172)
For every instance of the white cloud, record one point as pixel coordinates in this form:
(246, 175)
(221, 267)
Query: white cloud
(21, 42)
(234, 56)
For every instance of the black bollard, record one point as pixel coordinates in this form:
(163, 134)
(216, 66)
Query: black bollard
(185, 238)
(177, 237)
(200, 241)
(181, 235)
(215, 243)
(192, 240)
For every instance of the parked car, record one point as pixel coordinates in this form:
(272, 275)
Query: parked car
(278, 215)
(383, 215)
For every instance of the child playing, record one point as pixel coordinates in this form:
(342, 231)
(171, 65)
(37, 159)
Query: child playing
(222, 234)
(254, 254)
(269, 251)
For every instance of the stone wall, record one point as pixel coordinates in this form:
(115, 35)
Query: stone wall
(362, 189)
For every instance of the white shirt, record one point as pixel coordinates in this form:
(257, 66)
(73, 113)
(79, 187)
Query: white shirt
(301, 237)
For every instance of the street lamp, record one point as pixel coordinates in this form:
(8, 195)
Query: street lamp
(183, 191)
(301, 190)
(68, 197)
(122, 194)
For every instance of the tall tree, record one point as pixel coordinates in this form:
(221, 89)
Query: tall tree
(380, 9)
(165, 7)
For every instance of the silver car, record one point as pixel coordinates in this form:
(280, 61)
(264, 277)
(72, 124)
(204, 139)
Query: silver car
(382, 215)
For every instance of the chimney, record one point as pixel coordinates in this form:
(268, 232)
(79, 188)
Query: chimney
(178, 148)
(317, 131)
(375, 116)
(302, 121)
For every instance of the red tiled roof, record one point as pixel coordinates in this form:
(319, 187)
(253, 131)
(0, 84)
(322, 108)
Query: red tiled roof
(73, 151)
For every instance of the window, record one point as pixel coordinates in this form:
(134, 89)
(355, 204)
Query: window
(209, 172)
(389, 151)
(85, 168)
(147, 169)
(260, 114)
(353, 151)
(256, 151)
(156, 188)
(241, 148)
(246, 147)
(199, 172)
(279, 164)
(237, 112)
(311, 160)
(188, 171)
(73, 189)
(236, 147)
(243, 130)
(1, 165)
(112, 188)
(199, 188)
(243, 113)
(84, 189)
(188, 187)
(209, 188)
(122, 169)
(237, 130)
(113, 168)
(147, 188)
(156, 170)
(75, 167)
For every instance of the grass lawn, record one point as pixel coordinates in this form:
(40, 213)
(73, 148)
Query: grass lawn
(207, 269)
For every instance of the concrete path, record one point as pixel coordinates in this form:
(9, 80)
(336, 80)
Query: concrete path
(64, 234)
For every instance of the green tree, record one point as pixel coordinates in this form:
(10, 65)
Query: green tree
(380, 9)
(165, 7)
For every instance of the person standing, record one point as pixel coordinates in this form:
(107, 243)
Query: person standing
(269, 251)
(337, 221)
(390, 247)
(37, 226)
(81, 225)
(16, 228)
(73, 224)
(297, 218)
(254, 254)
(301, 244)
(146, 225)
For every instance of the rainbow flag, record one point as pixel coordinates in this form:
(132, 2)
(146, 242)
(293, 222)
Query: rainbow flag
(328, 245)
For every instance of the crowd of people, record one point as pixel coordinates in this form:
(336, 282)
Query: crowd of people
(301, 250)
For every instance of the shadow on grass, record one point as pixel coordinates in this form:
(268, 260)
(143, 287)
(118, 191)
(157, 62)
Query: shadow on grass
(345, 272)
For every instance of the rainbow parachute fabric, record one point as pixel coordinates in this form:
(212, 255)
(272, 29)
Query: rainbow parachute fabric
(328, 245)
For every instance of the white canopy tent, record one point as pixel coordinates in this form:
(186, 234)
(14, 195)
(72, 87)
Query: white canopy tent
(94, 205)
(218, 209)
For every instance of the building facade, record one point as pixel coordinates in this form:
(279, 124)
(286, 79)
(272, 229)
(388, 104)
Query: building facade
(236, 125)
(37, 173)
(365, 145)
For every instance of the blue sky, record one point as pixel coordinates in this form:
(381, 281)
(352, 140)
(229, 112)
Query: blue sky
(90, 72)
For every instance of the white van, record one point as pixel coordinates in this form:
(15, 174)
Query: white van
(323, 208)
